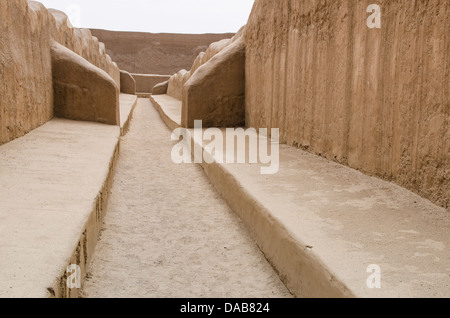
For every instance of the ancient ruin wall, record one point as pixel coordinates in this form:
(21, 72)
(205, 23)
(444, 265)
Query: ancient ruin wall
(177, 81)
(215, 92)
(26, 92)
(83, 43)
(146, 82)
(176, 84)
(374, 99)
(155, 53)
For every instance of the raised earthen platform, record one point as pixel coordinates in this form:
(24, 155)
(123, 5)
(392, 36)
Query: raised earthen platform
(169, 108)
(127, 104)
(322, 225)
(55, 182)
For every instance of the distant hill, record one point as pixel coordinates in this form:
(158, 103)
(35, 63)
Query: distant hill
(151, 53)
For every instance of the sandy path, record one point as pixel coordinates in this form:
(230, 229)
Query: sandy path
(168, 233)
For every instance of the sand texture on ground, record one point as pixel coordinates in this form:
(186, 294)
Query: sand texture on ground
(168, 233)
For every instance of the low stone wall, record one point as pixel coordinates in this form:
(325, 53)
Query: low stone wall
(127, 83)
(27, 30)
(161, 88)
(146, 82)
(215, 93)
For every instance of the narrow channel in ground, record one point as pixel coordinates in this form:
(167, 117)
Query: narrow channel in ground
(168, 233)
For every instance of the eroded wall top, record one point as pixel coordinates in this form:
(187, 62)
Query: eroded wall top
(26, 94)
(177, 81)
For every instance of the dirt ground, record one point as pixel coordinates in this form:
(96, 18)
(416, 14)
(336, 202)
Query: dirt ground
(168, 233)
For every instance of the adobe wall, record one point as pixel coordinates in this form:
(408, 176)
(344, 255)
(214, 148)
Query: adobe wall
(376, 100)
(155, 53)
(179, 79)
(176, 84)
(27, 29)
(215, 91)
(127, 83)
(82, 91)
(146, 82)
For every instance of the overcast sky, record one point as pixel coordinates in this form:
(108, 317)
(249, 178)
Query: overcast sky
(157, 16)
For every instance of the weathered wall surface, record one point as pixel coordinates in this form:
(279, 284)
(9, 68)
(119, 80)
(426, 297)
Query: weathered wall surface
(84, 44)
(161, 88)
(214, 89)
(146, 82)
(374, 99)
(25, 67)
(127, 83)
(176, 83)
(215, 93)
(82, 91)
(179, 79)
(150, 53)
(26, 92)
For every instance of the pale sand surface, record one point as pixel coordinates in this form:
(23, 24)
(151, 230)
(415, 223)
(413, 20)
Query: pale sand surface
(168, 233)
